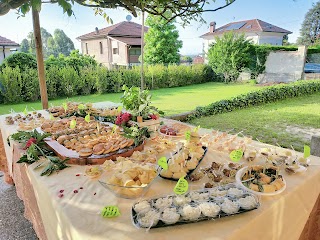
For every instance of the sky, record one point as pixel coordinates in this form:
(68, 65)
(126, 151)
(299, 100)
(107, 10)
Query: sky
(287, 14)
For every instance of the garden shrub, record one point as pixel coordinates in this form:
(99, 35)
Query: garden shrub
(30, 85)
(21, 60)
(69, 84)
(10, 79)
(87, 80)
(266, 95)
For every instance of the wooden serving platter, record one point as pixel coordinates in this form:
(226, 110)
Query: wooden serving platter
(63, 153)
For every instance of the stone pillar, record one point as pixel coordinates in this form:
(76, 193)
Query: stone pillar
(315, 146)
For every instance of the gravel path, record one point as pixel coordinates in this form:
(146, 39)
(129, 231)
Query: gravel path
(13, 225)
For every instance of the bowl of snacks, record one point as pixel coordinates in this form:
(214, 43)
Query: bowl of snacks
(128, 179)
(261, 180)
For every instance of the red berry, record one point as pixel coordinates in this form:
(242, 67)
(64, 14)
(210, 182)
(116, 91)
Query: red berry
(61, 191)
(81, 187)
(75, 191)
(78, 175)
(95, 193)
(60, 195)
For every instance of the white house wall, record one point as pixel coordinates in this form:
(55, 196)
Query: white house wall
(6, 51)
(271, 38)
(94, 49)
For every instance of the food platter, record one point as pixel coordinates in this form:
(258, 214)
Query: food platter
(196, 206)
(280, 182)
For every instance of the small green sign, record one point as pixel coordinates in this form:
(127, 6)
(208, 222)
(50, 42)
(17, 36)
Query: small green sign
(119, 109)
(196, 129)
(236, 155)
(65, 106)
(81, 106)
(187, 134)
(87, 118)
(181, 186)
(73, 124)
(114, 128)
(110, 211)
(25, 111)
(306, 151)
(162, 162)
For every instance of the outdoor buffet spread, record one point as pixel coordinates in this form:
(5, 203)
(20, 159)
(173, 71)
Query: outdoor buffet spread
(130, 161)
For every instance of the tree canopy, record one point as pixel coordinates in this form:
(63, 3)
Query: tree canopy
(162, 44)
(310, 29)
(58, 43)
(186, 10)
(229, 55)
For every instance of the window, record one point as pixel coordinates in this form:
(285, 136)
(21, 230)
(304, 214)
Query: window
(101, 49)
(86, 48)
(115, 50)
(135, 51)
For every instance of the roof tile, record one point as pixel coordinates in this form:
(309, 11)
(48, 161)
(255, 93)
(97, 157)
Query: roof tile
(7, 42)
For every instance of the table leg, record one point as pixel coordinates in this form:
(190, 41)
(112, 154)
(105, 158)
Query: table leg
(3, 163)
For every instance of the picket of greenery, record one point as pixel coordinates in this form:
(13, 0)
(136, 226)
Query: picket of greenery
(81, 75)
(264, 96)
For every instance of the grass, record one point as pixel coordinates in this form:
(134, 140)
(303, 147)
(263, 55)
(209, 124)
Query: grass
(169, 100)
(269, 122)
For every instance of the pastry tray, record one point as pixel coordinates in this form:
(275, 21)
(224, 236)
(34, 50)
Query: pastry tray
(221, 214)
(191, 171)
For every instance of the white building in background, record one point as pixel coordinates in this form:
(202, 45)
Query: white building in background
(259, 32)
(7, 47)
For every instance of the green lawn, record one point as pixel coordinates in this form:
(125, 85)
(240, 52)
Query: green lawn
(269, 122)
(169, 100)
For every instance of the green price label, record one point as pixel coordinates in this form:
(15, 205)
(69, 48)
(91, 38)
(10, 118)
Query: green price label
(25, 111)
(81, 106)
(187, 135)
(162, 162)
(65, 106)
(181, 186)
(114, 128)
(73, 124)
(110, 211)
(51, 116)
(119, 109)
(306, 151)
(236, 155)
(87, 118)
(196, 129)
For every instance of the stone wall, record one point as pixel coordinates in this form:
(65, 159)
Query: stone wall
(284, 66)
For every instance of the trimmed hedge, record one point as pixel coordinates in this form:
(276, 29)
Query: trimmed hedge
(69, 81)
(267, 95)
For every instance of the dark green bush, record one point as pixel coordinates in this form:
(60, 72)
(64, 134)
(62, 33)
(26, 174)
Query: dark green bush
(267, 95)
(53, 80)
(21, 60)
(70, 81)
(30, 85)
(10, 79)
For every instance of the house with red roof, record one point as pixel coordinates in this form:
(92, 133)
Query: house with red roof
(119, 44)
(256, 30)
(7, 47)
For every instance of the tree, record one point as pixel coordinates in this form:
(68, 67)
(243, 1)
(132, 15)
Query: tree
(45, 35)
(186, 10)
(310, 29)
(229, 55)
(24, 46)
(63, 44)
(162, 44)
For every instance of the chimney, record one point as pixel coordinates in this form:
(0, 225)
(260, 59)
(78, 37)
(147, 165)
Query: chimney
(97, 30)
(212, 27)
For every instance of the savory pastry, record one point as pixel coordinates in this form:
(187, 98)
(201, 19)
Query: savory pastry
(181, 200)
(150, 219)
(248, 202)
(190, 213)
(170, 216)
(209, 209)
(235, 192)
(85, 152)
(229, 206)
(93, 171)
(142, 207)
(162, 203)
(98, 149)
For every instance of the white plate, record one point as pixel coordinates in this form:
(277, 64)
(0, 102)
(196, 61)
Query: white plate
(239, 175)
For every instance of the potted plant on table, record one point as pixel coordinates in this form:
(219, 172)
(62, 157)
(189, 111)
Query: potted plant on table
(138, 104)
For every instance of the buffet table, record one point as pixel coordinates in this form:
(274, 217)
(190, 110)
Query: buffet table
(76, 215)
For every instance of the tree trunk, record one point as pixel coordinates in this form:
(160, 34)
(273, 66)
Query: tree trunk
(142, 48)
(40, 62)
